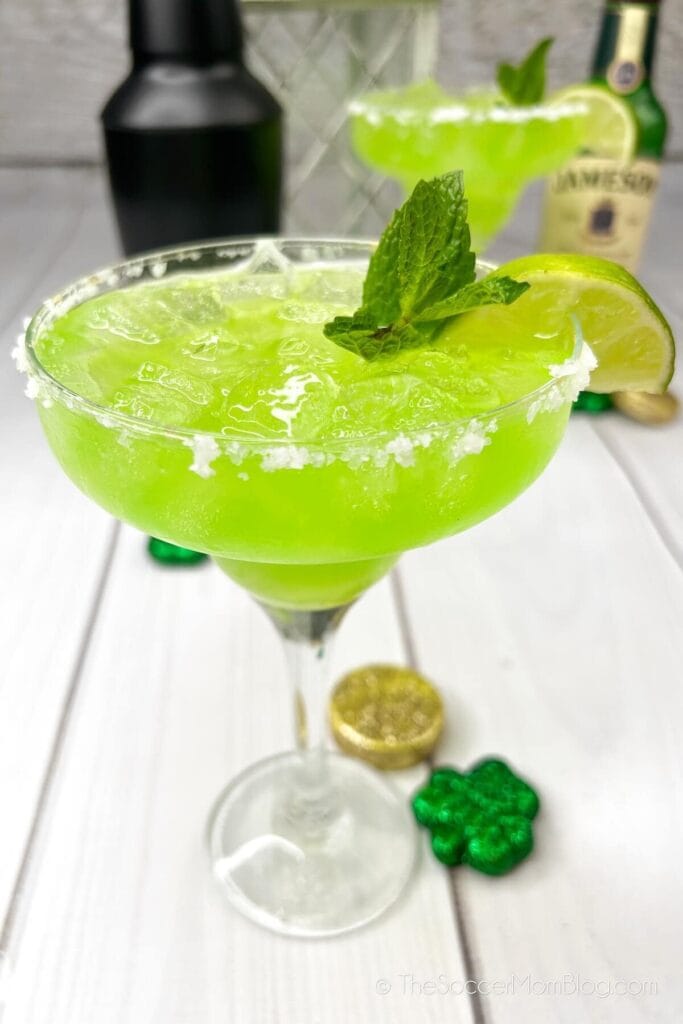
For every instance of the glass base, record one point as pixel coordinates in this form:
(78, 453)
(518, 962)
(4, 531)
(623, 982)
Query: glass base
(312, 845)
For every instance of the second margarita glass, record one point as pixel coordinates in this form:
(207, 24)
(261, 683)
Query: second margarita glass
(421, 131)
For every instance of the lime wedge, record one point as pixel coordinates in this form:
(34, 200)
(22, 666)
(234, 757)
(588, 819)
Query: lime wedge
(627, 332)
(610, 129)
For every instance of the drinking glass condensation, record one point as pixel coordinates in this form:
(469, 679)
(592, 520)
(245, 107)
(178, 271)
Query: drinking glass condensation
(316, 57)
(306, 842)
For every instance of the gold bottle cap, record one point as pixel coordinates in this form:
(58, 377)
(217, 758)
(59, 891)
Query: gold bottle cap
(646, 408)
(387, 715)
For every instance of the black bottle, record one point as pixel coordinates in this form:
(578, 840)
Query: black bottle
(193, 141)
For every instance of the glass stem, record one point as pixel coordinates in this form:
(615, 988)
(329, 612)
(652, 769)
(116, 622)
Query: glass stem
(307, 638)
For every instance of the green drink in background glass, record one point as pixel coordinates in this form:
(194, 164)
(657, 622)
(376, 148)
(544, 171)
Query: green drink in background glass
(421, 131)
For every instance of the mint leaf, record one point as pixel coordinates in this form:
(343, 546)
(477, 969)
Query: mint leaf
(421, 274)
(351, 333)
(434, 257)
(489, 291)
(382, 287)
(524, 85)
(423, 254)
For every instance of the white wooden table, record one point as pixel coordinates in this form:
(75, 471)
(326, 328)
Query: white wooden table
(130, 694)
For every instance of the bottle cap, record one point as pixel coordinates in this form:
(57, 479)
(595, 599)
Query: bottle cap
(652, 410)
(190, 29)
(387, 715)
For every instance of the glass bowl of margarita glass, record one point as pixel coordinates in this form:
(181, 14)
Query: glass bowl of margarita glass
(421, 131)
(192, 393)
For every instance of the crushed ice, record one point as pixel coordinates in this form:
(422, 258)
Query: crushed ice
(267, 258)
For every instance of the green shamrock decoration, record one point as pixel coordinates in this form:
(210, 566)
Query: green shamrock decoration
(481, 817)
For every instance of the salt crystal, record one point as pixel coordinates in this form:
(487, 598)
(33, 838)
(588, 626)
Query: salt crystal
(289, 456)
(18, 354)
(205, 450)
(32, 389)
(472, 439)
(403, 450)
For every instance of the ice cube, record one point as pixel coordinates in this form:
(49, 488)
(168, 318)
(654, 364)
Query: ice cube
(386, 402)
(191, 388)
(154, 404)
(279, 401)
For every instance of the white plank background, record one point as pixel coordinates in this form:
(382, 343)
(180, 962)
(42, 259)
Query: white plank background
(54, 542)
(128, 695)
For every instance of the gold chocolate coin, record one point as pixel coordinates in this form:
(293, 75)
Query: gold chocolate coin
(652, 410)
(387, 715)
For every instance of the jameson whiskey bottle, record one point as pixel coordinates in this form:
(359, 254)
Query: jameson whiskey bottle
(192, 139)
(598, 205)
(603, 206)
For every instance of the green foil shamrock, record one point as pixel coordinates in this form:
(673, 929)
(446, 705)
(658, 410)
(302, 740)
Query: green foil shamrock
(481, 817)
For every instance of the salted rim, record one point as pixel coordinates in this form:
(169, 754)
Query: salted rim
(153, 265)
(454, 110)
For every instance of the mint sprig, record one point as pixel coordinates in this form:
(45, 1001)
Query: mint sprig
(524, 84)
(487, 292)
(421, 274)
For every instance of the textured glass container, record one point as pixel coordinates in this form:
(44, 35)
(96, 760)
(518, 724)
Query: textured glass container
(315, 58)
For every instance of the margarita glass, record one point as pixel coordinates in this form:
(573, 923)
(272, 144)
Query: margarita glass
(192, 393)
(421, 132)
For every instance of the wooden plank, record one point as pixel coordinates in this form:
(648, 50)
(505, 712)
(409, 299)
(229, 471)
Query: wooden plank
(184, 686)
(61, 58)
(555, 632)
(651, 456)
(54, 541)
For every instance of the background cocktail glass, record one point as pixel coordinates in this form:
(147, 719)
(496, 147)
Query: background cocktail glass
(307, 842)
(422, 132)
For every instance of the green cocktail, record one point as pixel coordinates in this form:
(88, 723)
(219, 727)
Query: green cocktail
(194, 394)
(214, 413)
(422, 131)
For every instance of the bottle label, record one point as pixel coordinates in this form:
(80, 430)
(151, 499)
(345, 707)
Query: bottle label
(626, 70)
(600, 207)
